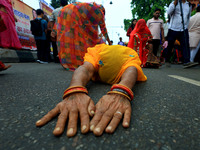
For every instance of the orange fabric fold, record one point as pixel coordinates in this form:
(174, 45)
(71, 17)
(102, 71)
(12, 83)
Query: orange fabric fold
(110, 62)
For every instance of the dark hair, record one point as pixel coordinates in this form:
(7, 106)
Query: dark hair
(39, 11)
(193, 5)
(132, 25)
(157, 9)
(198, 8)
(63, 2)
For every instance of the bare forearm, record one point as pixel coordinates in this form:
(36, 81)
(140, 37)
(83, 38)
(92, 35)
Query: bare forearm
(162, 33)
(82, 75)
(129, 77)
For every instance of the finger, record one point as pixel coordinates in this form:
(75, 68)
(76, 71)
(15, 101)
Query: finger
(60, 126)
(127, 118)
(96, 119)
(100, 127)
(51, 114)
(115, 121)
(85, 120)
(72, 124)
(91, 108)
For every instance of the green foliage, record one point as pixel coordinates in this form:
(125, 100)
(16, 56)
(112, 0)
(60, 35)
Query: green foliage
(193, 13)
(144, 9)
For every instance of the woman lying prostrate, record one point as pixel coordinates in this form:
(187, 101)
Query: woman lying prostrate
(112, 64)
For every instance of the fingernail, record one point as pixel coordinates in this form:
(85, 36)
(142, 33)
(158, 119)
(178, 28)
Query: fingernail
(126, 123)
(109, 128)
(84, 127)
(92, 112)
(91, 127)
(38, 121)
(57, 129)
(70, 131)
(97, 129)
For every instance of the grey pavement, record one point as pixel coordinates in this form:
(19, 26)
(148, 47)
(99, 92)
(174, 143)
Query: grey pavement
(165, 111)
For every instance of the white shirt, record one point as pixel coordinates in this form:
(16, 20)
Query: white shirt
(175, 13)
(155, 27)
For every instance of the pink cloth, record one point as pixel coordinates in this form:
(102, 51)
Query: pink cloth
(9, 37)
(165, 44)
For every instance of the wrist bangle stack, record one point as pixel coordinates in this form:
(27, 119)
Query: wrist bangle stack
(122, 90)
(120, 93)
(74, 89)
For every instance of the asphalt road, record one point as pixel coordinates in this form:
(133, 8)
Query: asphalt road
(165, 110)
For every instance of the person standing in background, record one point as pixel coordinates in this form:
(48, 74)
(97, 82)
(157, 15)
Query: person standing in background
(176, 29)
(155, 25)
(140, 41)
(41, 43)
(52, 20)
(194, 36)
(8, 37)
(121, 42)
(48, 36)
(132, 26)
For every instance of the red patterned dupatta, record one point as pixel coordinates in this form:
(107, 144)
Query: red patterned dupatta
(139, 40)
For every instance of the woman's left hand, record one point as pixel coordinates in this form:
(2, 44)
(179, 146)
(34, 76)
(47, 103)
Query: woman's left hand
(109, 112)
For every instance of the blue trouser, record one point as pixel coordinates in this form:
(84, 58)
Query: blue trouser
(184, 41)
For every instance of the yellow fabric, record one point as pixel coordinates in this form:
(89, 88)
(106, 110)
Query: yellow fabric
(110, 62)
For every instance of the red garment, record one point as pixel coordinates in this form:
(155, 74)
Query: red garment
(139, 40)
(2, 66)
(9, 37)
(129, 31)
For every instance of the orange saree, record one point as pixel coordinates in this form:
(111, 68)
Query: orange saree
(77, 29)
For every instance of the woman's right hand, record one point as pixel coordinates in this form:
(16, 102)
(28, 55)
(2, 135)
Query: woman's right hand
(76, 104)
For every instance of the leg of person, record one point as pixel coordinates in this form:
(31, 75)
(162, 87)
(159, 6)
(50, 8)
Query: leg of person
(38, 45)
(45, 51)
(197, 57)
(193, 52)
(158, 51)
(48, 43)
(184, 42)
(172, 35)
(156, 43)
(55, 52)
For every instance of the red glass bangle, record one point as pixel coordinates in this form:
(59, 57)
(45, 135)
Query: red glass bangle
(79, 89)
(74, 89)
(120, 93)
(123, 87)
